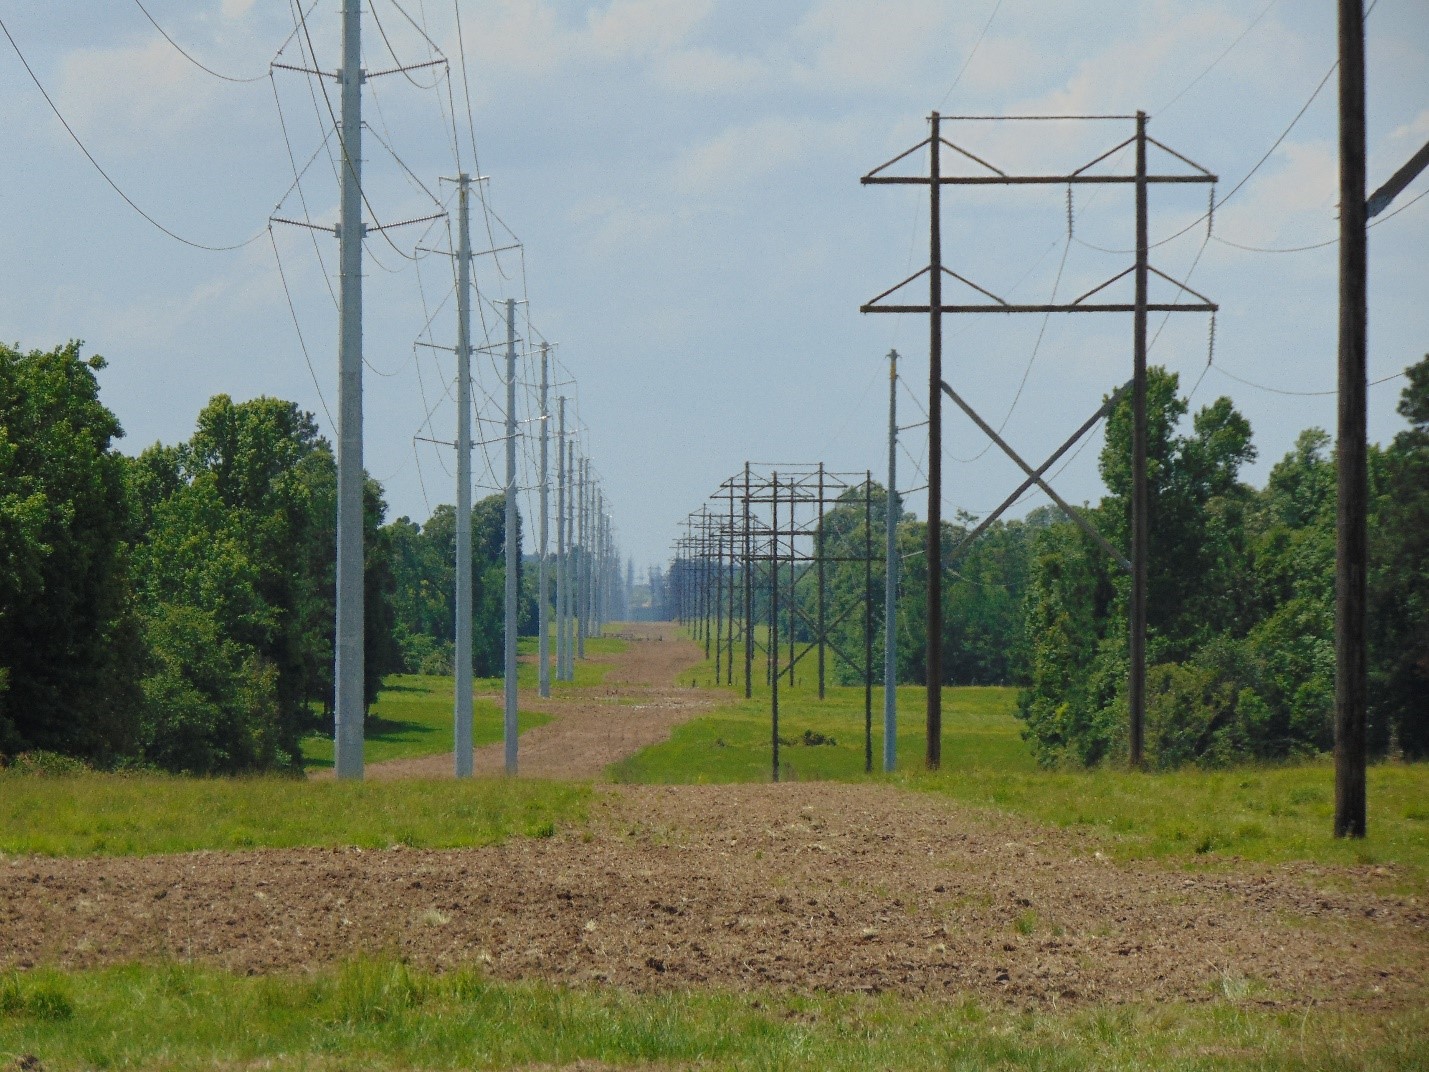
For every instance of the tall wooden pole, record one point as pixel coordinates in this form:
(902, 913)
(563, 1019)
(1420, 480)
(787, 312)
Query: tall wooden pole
(1351, 537)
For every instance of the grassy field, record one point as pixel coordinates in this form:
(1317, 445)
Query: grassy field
(383, 1015)
(1265, 813)
(413, 717)
(99, 814)
(413, 713)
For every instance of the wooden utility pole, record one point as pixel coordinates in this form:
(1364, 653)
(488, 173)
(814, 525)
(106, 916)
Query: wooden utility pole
(1351, 536)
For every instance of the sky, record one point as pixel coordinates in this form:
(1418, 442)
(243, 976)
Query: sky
(683, 179)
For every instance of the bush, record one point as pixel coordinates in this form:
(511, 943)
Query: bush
(41, 763)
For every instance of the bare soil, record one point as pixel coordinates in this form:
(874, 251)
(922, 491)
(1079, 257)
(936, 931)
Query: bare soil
(800, 886)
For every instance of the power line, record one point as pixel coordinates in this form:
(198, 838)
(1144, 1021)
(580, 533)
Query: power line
(972, 52)
(188, 56)
(1213, 64)
(298, 328)
(386, 41)
(1316, 245)
(112, 184)
(1298, 394)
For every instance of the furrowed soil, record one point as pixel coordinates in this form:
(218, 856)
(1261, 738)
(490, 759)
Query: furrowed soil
(802, 886)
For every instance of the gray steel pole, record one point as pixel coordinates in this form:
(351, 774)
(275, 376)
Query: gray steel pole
(933, 658)
(570, 670)
(461, 718)
(561, 592)
(748, 593)
(774, 623)
(868, 621)
(582, 584)
(890, 579)
(349, 707)
(513, 549)
(543, 591)
(823, 587)
(1140, 490)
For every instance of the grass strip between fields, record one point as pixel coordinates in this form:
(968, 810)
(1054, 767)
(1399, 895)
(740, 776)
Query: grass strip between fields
(95, 814)
(381, 1014)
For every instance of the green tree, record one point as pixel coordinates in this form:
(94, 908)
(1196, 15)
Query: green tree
(1399, 580)
(67, 639)
(234, 534)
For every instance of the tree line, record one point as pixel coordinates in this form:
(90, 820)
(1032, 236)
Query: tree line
(1241, 611)
(175, 609)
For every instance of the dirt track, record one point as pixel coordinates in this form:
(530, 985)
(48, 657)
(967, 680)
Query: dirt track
(802, 886)
(637, 706)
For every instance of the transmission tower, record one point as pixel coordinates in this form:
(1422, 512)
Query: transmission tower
(937, 386)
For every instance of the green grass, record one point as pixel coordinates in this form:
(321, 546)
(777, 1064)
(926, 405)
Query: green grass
(384, 1015)
(1270, 814)
(413, 712)
(413, 717)
(99, 814)
(1265, 813)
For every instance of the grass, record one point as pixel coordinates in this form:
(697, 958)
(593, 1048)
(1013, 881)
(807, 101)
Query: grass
(413, 717)
(115, 815)
(1265, 813)
(379, 1014)
(413, 712)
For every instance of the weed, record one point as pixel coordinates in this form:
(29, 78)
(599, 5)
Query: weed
(39, 997)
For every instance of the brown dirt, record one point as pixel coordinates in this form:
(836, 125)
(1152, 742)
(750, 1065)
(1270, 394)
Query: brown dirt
(805, 886)
(638, 705)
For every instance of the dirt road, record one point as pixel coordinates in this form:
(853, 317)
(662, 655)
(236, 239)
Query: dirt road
(637, 706)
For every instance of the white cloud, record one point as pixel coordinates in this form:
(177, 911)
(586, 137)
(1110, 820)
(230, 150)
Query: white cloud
(1292, 202)
(635, 28)
(703, 70)
(850, 45)
(742, 155)
(532, 37)
(1414, 131)
(131, 96)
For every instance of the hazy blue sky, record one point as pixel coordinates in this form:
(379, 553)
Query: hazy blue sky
(684, 175)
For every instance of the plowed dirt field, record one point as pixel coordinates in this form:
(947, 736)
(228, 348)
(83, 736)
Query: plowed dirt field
(802, 886)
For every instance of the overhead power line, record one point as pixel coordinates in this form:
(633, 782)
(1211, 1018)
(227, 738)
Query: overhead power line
(190, 57)
(105, 175)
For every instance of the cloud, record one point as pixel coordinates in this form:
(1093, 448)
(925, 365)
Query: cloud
(1291, 203)
(128, 97)
(530, 35)
(851, 45)
(638, 28)
(1414, 131)
(703, 70)
(742, 155)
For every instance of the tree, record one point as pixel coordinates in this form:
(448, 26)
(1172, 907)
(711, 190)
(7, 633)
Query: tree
(66, 634)
(423, 569)
(1199, 593)
(1399, 580)
(233, 535)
